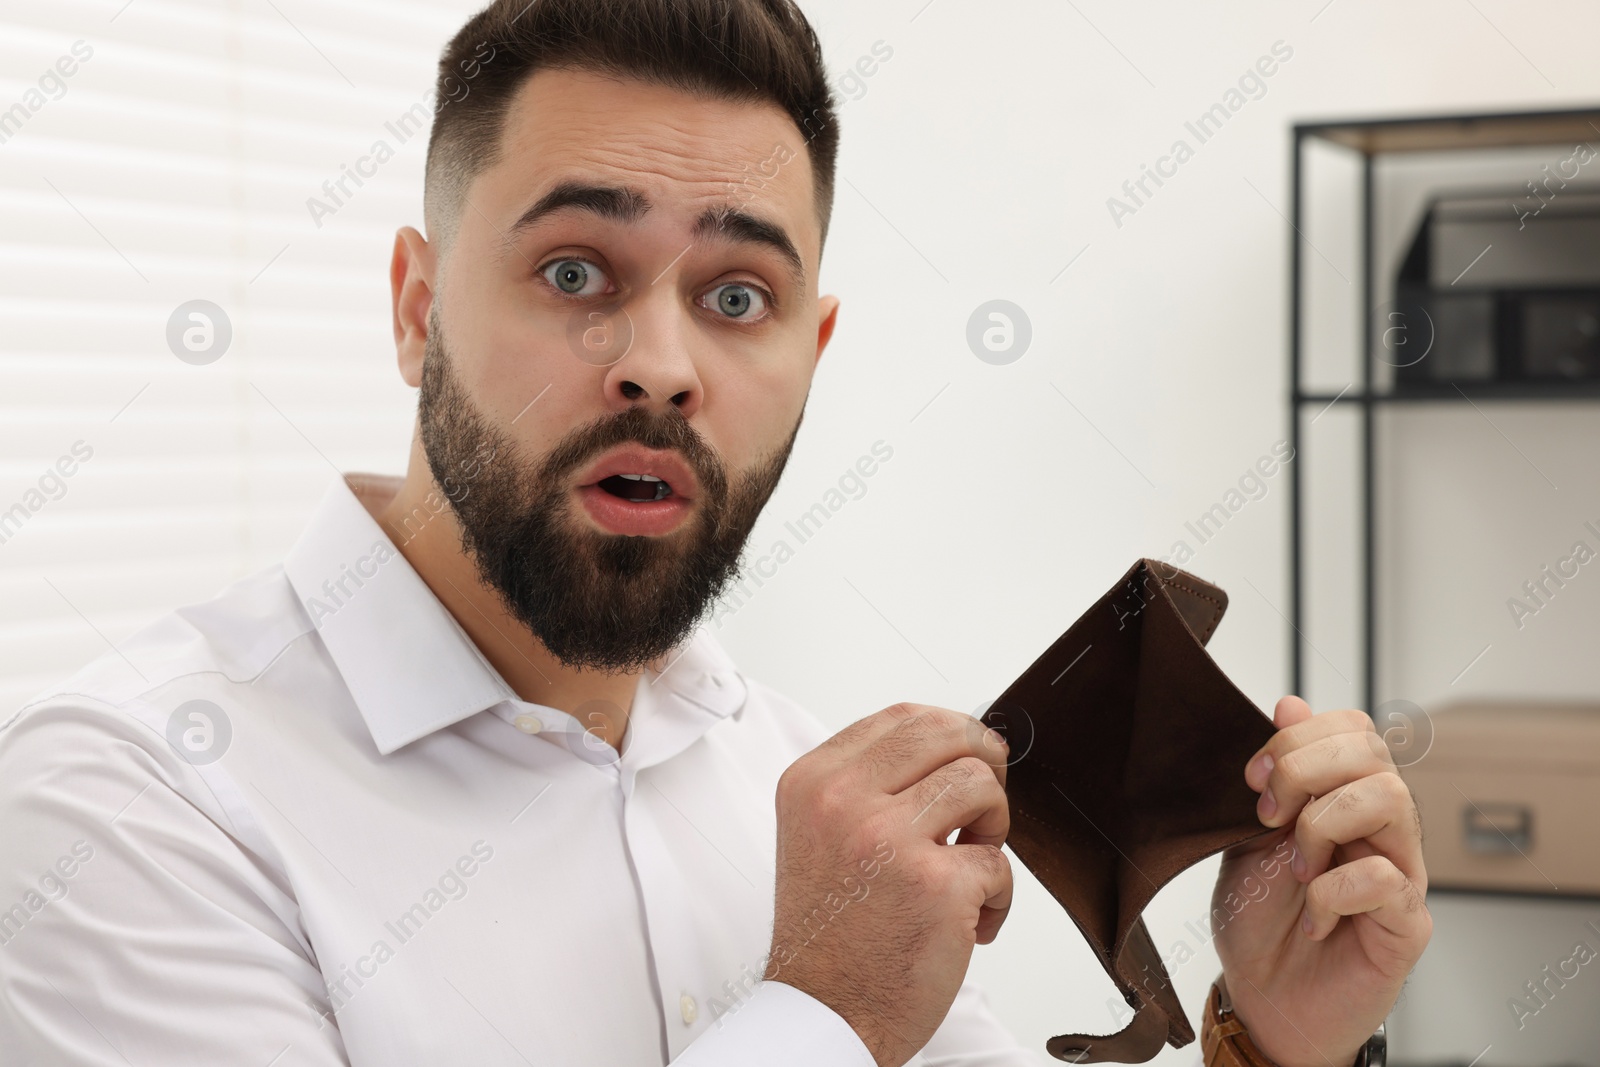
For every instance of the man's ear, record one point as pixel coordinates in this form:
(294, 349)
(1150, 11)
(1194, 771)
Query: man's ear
(828, 316)
(411, 275)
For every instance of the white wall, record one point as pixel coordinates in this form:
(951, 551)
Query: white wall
(991, 142)
(977, 165)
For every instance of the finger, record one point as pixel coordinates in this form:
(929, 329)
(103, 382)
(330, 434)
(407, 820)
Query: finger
(921, 743)
(1319, 767)
(848, 744)
(1290, 711)
(1369, 886)
(1001, 722)
(962, 795)
(1299, 733)
(859, 735)
(988, 871)
(1377, 809)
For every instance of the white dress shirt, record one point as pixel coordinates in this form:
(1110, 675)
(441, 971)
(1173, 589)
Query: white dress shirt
(306, 824)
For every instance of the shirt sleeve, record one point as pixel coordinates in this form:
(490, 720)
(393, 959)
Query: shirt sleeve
(135, 926)
(779, 1026)
(784, 1027)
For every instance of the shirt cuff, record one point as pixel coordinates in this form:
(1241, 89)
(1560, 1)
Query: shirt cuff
(778, 1026)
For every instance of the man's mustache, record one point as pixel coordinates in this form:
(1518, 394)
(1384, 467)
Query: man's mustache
(667, 432)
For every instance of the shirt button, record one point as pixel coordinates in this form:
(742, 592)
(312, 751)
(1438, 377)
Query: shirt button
(686, 1005)
(528, 724)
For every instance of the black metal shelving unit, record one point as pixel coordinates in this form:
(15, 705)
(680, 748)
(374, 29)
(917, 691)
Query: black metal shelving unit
(1371, 138)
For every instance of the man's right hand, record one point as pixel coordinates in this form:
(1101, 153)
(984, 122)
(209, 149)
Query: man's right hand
(876, 915)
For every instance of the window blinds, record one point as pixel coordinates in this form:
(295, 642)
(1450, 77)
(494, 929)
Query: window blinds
(158, 162)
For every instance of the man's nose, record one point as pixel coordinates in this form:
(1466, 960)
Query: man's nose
(659, 369)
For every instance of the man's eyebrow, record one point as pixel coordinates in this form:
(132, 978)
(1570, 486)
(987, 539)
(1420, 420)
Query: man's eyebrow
(740, 227)
(627, 206)
(609, 202)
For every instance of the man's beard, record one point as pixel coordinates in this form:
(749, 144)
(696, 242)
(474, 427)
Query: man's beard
(600, 601)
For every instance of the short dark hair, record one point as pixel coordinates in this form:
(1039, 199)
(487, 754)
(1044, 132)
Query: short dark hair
(755, 50)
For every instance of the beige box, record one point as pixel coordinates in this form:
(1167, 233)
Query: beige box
(1509, 794)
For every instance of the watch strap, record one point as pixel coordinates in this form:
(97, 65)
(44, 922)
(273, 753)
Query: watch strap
(1224, 1042)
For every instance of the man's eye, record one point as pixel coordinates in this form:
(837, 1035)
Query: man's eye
(575, 277)
(738, 301)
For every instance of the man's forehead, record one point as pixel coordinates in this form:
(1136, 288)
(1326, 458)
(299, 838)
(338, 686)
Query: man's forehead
(574, 99)
(673, 147)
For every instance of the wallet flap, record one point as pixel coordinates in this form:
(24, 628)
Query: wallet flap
(1199, 602)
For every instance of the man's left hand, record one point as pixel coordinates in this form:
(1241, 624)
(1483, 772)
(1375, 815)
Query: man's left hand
(1315, 950)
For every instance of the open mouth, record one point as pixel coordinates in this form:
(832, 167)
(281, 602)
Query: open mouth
(638, 491)
(637, 488)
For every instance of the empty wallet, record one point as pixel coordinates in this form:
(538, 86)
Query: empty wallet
(1127, 753)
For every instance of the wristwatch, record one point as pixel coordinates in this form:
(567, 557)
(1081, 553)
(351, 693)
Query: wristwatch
(1226, 1043)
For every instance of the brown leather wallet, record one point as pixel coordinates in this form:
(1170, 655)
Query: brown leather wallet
(1127, 747)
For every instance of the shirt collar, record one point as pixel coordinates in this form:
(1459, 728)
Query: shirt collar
(409, 666)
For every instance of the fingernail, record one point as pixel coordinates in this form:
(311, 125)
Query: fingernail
(1260, 769)
(1298, 865)
(1267, 806)
(1305, 922)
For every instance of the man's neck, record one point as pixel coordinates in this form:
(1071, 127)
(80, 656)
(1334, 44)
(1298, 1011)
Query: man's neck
(429, 537)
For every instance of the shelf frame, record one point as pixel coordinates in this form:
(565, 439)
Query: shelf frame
(1371, 138)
